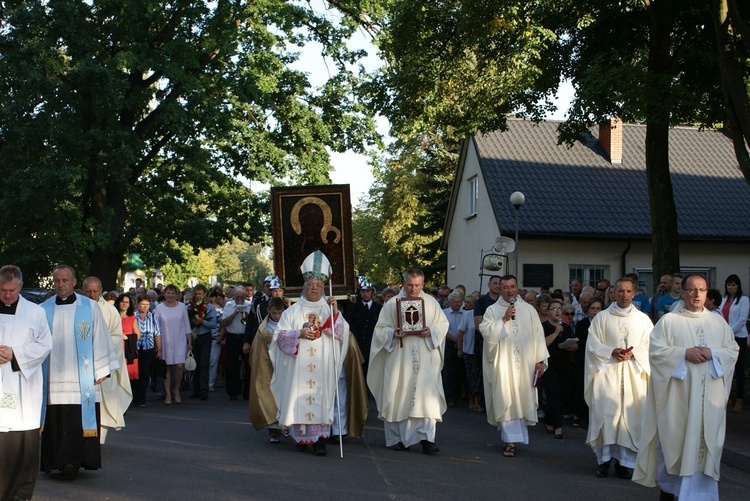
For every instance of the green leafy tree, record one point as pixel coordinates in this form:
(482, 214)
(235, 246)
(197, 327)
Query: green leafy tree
(137, 125)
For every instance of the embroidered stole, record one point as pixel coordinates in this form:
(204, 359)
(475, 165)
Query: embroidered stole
(83, 331)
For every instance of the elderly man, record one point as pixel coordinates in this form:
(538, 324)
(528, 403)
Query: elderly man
(80, 360)
(615, 381)
(515, 357)
(116, 391)
(452, 372)
(234, 320)
(25, 342)
(404, 373)
(308, 351)
(692, 356)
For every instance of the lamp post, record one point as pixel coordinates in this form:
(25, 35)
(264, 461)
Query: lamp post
(517, 199)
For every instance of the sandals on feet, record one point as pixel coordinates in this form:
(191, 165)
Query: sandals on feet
(509, 451)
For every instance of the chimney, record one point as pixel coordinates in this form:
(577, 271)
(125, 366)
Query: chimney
(610, 137)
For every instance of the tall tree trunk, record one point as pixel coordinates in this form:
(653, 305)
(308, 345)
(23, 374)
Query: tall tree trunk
(105, 264)
(733, 84)
(664, 237)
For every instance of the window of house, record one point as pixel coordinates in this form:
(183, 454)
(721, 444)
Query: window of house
(537, 275)
(473, 196)
(589, 274)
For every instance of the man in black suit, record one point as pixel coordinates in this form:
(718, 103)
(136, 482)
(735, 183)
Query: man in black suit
(362, 317)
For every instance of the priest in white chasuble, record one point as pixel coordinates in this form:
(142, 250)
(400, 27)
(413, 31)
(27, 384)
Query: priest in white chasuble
(80, 360)
(308, 351)
(616, 381)
(692, 356)
(404, 370)
(25, 342)
(515, 356)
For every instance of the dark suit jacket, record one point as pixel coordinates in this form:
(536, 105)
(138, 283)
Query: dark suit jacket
(362, 324)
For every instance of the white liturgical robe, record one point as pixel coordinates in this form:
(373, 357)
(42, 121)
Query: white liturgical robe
(684, 420)
(615, 391)
(404, 376)
(116, 391)
(64, 388)
(511, 351)
(27, 333)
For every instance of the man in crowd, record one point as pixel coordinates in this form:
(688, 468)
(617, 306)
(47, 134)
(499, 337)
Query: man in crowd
(236, 314)
(640, 300)
(692, 356)
(25, 342)
(601, 289)
(259, 311)
(443, 292)
(404, 372)
(452, 372)
(203, 320)
(362, 317)
(515, 356)
(616, 380)
(116, 391)
(80, 360)
(308, 350)
(484, 302)
(665, 286)
(576, 287)
(582, 309)
(670, 297)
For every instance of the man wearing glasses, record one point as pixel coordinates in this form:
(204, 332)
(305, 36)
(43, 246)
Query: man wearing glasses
(692, 356)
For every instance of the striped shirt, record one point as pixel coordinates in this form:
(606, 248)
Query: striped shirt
(149, 330)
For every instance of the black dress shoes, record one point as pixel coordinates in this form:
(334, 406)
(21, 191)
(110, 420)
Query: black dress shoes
(623, 472)
(429, 447)
(319, 448)
(602, 470)
(400, 447)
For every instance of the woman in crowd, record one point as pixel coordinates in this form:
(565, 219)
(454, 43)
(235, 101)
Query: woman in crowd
(149, 348)
(556, 380)
(580, 409)
(542, 304)
(610, 298)
(466, 350)
(735, 308)
(388, 293)
(569, 311)
(174, 325)
(131, 333)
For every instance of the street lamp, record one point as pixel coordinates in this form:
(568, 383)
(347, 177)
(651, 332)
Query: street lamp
(517, 199)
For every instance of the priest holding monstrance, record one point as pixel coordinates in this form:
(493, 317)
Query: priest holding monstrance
(308, 350)
(405, 361)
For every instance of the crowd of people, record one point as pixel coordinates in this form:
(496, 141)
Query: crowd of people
(652, 397)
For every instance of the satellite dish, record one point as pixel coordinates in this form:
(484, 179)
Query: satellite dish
(504, 245)
(493, 262)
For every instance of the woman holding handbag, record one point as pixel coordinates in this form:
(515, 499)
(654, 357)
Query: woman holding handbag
(735, 308)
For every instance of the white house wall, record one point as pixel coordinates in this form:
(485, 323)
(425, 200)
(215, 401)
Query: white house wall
(468, 235)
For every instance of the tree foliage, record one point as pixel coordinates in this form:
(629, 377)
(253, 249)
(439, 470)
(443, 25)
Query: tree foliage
(137, 125)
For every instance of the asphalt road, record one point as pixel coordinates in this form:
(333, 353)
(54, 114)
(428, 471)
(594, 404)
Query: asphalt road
(207, 450)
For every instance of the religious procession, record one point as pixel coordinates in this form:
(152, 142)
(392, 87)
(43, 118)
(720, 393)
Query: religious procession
(653, 397)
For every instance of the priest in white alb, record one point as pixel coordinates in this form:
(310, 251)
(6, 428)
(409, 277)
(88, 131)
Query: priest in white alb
(404, 369)
(308, 350)
(616, 380)
(25, 342)
(80, 360)
(116, 390)
(514, 358)
(692, 356)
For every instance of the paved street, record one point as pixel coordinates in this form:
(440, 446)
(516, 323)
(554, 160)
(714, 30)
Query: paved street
(207, 450)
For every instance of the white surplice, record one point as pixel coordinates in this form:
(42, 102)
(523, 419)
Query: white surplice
(27, 333)
(115, 390)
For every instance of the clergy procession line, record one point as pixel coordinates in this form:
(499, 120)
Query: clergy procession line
(654, 396)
